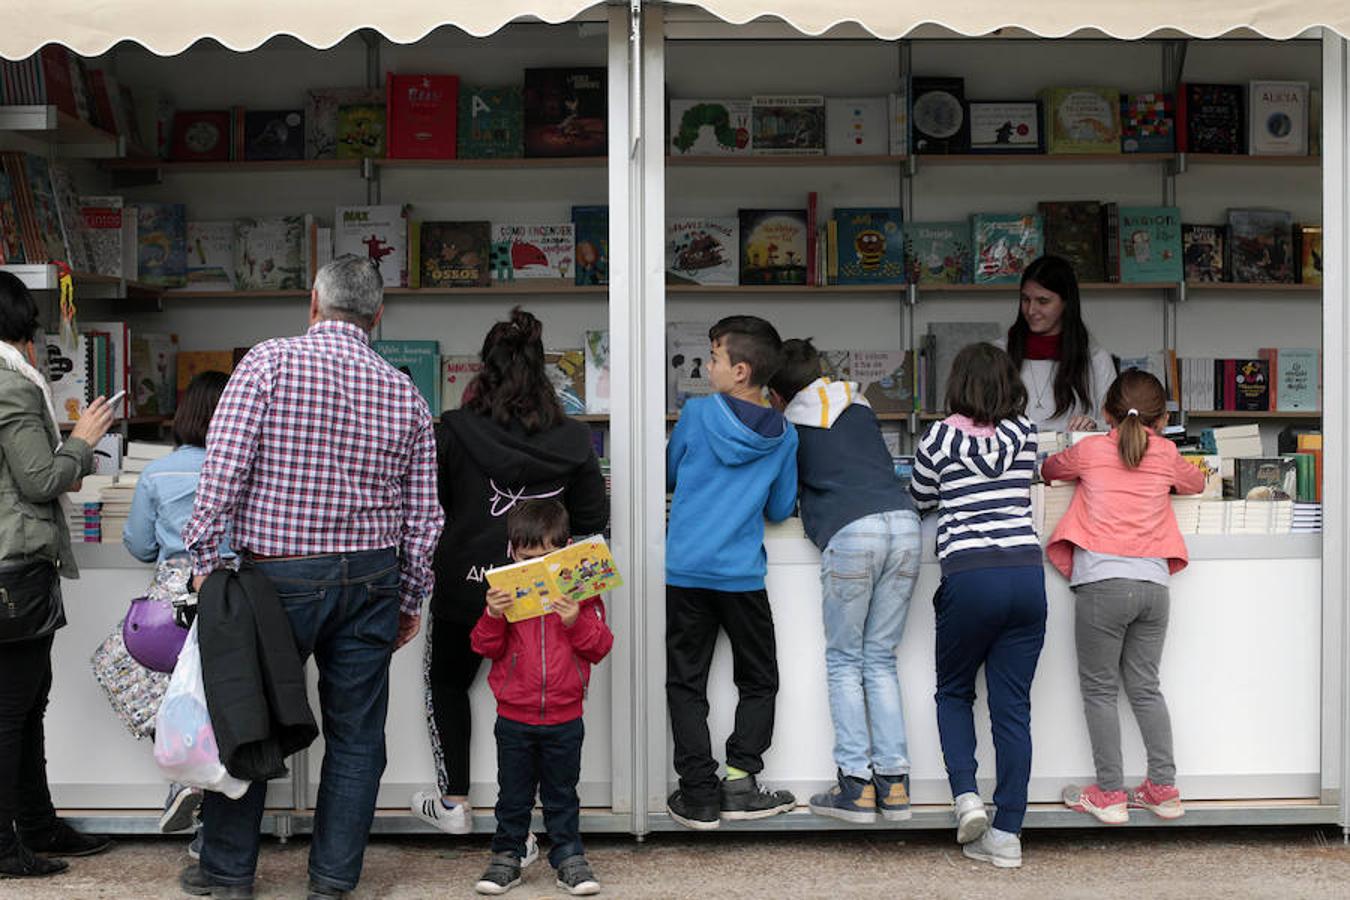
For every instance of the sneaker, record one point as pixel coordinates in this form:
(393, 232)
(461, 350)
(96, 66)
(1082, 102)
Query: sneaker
(17, 861)
(1108, 806)
(323, 892)
(503, 873)
(893, 797)
(851, 799)
(1001, 848)
(575, 877)
(59, 839)
(700, 816)
(1163, 800)
(531, 851)
(971, 819)
(744, 799)
(194, 881)
(195, 848)
(427, 806)
(179, 809)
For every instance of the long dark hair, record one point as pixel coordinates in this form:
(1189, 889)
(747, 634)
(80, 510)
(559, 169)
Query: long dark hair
(513, 385)
(1075, 351)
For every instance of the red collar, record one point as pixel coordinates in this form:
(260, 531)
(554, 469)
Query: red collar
(1043, 346)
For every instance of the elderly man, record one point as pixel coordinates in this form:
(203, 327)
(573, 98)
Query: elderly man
(322, 461)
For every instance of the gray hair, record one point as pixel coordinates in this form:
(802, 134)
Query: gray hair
(350, 288)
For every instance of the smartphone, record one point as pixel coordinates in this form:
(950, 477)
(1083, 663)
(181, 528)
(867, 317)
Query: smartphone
(114, 403)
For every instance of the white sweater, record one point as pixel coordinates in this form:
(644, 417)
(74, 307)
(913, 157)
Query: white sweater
(1039, 377)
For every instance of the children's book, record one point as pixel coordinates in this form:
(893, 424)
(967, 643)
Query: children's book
(201, 136)
(533, 251)
(579, 571)
(154, 370)
(592, 240)
(565, 112)
(1265, 478)
(491, 122)
(1202, 247)
(938, 252)
(1249, 383)
(856, 126)
(454, 254)
(192, 363)
(46, 215)
(773, 246)
(70, 374)
(11, 239)
(597, 372)
(115, 370)
(567, 372)
(1210, 118)
(210, 256)
(1212, 467)
(457, 372)
(702, 250)
(885, 378)
(421, 116)
(709, 127)
(321, 116)
(270, 254)
(865, 246)
(1147, 123)
(1004, 246)
(379, 233)
(1309, 241)
(111, 229)
(787, 125)
(1260, 246)
(161, 238)
(897, 119)
(360, 130)
(687, 349)
(274, 134)
(938, 119)
(67, 201)
(1277, 117)
(1297, 378)
(1150, 244)
(421, 362)
(1081, 119)
(1073, 230)
(946, 340)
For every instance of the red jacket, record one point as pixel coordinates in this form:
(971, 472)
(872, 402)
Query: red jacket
(540, 669)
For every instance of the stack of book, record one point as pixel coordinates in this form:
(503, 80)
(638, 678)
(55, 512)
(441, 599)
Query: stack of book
(1307, 519)
(1198, 516)
(1049, 503)
(1256, 517)
(84, 515)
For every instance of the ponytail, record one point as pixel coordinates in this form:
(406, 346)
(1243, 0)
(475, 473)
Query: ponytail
(1133, 439)
(1137, 403)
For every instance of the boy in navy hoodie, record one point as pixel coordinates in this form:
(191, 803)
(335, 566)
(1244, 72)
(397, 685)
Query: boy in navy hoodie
(731, 463)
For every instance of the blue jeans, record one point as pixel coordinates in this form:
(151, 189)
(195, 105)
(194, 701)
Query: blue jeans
(867, 576)
(547, 759)
(344, 610)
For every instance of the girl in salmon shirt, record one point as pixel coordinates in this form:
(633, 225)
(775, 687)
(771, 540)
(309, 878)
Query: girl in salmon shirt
(1118, 545)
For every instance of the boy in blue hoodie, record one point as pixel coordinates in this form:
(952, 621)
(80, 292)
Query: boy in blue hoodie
(731, 463)
(862, 519)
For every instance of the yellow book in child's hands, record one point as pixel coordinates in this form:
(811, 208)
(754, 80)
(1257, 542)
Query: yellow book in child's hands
(578, 571)
(529, 583)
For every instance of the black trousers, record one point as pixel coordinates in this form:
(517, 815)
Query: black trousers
(693, 616)
(25, 683)
(451, 668)
(547, 759)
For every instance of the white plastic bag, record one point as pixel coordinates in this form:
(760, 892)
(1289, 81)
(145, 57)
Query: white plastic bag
(185, 743)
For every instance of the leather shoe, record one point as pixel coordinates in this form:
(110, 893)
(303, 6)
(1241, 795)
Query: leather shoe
(17, 861)
(59, 839)
(320, 892)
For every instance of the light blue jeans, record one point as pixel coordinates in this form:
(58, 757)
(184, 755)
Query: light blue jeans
(867, 575)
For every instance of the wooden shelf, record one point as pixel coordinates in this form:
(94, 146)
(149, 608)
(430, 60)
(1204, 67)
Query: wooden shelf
(131, 288)
(74, 136)
(564, 162)
(177, 294)
(1012, 286)
(779, 162)
(784, 289)
(1020, 159)
(1236, 159)
(1250, 287)
(1262, 415)
(512, 288)
(234, 166)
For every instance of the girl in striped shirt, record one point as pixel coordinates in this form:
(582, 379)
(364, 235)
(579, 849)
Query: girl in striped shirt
(975, 468)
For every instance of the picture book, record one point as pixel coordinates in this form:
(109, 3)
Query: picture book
(866, 246)
(787, 125)
(421, 116)
(274, 134)
(1004, 246)
(457, 373)
(1260, 246)
(11, 241)
(1081, 119)
(1265, 478)
(687, 349)
(1202, 247)
(856, 126)
(491, 122)
(420, 361)
(1308, 239)
(897, 120)
(67, 201)
(938, 252)
(34, 246)
(116, 370)
(191, 363)
(1011, 126)
(533, 251)
(597, 372)
(111, 230)
(567, 372)
(321, 116)
(360, 131)
(592, 244)
(709, 127)
(565, 112)
(454, 254)
(937, 116)
(1212, 468)
(1147, 123)
(1277, 118)
(69, 374)
(200, 136)
(210, 256)
(379, 233)
(702, 250)
(46, 216)
(1073, 230)
(1297, 380)
(161, 238)
(773, 246)
(885, 378)
(947, 339)
(154, 371)
(1150, 244)
(579, 571)
(270, 254)
(1209, 118)
(1250, 384)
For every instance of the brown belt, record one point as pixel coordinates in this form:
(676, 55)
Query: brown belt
(257, 558)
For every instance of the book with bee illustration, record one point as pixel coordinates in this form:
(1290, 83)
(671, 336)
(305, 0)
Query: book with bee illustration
(578, 571)
(865, 246)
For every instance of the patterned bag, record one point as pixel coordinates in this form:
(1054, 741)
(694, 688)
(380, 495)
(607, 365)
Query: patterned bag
(133, 690)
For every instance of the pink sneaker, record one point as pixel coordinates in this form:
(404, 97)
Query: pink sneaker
(1163, 800)
(1110, 807)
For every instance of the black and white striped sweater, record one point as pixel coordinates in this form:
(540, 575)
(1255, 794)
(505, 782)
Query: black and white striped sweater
(982, 489)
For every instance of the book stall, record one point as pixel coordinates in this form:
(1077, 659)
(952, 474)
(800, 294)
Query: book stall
(631, 174)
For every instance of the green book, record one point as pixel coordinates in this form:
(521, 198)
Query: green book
(420, 361)
(490, 123)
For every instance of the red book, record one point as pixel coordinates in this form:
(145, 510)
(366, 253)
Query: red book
(1181, 122)
(104, 115)
(421, 116)
(201, 136)
(1230, 384)
(56, 83)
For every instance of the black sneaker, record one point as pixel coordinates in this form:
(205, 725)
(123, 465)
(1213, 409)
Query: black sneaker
(503, 873)
(893, 797)
(59, 839)
(195, 882)
(323, 892)
(691, 813)
(575, 877)
(743, 798)
(17, 861)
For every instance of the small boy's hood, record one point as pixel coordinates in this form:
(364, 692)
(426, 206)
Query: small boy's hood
(734, 442)
(994, 455)
(822, 402)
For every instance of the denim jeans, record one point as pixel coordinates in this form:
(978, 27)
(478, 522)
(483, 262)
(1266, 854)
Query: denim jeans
(867, 576)
(547, 759)
(343, 610)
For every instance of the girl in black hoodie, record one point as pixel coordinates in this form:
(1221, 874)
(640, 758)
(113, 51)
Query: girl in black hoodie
(510, 441)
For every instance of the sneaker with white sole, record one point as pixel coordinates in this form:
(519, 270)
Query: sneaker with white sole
(1108, 807)
(427, 806)
(972, 821)
(1163, 800)
(531, 851)
(575, 877)
(1002, 849)
(179, 808)
(502, 874)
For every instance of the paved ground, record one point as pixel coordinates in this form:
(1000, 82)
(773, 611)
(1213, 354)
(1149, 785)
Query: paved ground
(1230, 863)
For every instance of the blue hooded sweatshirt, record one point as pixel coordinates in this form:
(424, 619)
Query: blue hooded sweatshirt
(727, 476)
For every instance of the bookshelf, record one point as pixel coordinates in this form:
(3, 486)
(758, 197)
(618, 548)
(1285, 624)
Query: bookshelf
(33, 128)
(1258, 415)
(786, 162)
(345, 166)
(916, 162)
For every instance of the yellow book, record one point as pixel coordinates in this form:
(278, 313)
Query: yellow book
(580, 570)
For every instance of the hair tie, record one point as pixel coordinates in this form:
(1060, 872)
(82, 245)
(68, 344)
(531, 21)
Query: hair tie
(1132, 412)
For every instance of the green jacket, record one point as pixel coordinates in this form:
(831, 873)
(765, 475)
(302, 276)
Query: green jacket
(34, 474)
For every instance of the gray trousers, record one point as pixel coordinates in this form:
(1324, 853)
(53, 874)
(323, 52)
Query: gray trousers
(1120, 628)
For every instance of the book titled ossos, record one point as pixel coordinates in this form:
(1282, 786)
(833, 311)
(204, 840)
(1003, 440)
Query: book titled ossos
(454, 254)
(422, 116)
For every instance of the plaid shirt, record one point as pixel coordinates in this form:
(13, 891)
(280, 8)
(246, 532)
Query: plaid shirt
(319, 446)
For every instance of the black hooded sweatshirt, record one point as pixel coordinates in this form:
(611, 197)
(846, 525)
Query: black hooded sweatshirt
(484, 469)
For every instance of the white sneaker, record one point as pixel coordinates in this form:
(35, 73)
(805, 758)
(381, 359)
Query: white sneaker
(971, 819)
(1001, 848)
(427, 806)
(531, 851)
